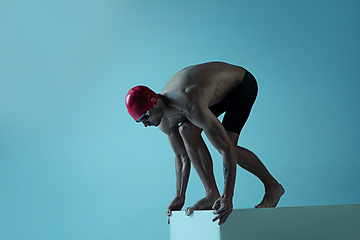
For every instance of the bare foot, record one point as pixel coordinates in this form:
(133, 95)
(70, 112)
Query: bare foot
(271, 197)
(205, 203)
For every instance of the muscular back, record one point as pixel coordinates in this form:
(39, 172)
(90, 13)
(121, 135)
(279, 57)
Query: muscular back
(208, 83)
(199, 85)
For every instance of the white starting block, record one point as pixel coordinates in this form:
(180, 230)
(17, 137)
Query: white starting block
(340, 222)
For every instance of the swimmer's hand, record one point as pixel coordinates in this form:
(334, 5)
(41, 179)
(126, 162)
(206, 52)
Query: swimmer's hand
(223, 207)
(175, 205)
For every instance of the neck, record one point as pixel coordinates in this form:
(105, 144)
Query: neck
(163, 103)
(168, 110)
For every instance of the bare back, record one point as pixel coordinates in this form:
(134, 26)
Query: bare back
(207, 83)
(210, 81)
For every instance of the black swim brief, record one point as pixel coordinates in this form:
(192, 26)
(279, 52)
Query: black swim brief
(237, 104)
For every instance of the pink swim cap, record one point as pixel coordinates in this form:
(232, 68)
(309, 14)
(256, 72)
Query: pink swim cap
(140, 99)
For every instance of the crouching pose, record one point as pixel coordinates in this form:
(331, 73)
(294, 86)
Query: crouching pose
(190, 103)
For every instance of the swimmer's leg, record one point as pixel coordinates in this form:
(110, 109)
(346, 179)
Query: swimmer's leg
(202, 162)
(250, 162)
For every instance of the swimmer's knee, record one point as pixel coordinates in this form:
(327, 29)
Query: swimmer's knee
(187, 129)
(233, 137)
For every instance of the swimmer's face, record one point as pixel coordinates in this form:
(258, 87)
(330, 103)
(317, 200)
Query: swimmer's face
(151, 118)
(144, 117)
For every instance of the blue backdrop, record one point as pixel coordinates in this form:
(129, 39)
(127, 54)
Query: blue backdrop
(73, 163)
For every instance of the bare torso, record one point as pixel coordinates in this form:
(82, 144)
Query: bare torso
(204, 84)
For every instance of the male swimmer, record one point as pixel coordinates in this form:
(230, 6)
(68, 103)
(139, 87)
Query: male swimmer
(190, 103)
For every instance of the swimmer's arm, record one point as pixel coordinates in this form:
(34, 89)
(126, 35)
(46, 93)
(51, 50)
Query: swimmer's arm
(182, 161)
(182, 168)
(203, 118)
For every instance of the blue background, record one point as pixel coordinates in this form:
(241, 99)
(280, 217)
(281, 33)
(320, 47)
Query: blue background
(74, 165)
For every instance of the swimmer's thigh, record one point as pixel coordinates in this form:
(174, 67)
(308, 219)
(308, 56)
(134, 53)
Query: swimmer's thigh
(240, 104)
